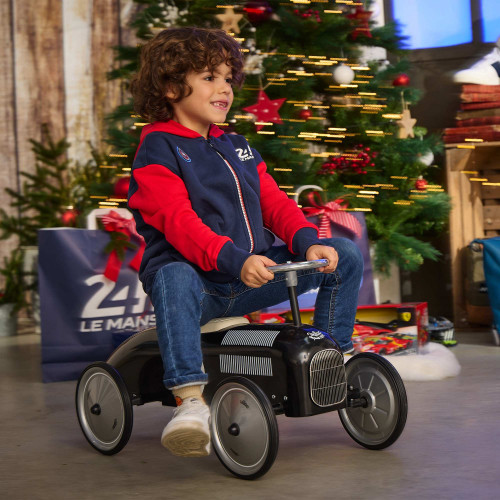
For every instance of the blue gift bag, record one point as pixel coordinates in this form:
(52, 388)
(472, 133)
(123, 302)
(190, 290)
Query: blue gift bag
(491, 263)
(84, 315)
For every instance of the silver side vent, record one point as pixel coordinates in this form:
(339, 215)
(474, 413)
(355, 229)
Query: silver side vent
(245, 365)
(327, 378)
(260, 338)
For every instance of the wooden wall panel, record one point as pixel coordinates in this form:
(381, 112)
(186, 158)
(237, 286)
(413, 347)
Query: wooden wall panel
(105, 35)
(38, 72)
(78, 84)
(8, 164)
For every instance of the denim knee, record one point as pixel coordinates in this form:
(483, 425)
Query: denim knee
(350, 256)
(177, 275)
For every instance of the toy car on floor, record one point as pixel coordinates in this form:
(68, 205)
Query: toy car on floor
(441, 330)
(364, 329)
(256, 371)
(383, 344)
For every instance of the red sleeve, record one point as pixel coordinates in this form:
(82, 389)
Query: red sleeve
(280, 213)
(163, 202)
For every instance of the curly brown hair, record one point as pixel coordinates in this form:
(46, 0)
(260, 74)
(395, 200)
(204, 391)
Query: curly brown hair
(170, 56)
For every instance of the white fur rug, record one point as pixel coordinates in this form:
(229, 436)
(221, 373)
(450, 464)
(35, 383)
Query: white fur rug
(433, 362)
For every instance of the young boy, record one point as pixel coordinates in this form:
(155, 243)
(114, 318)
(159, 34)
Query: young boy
(208, 209)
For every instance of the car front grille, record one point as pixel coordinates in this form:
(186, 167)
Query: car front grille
(327, 378)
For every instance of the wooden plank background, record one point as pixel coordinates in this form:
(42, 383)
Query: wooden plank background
(54, 56)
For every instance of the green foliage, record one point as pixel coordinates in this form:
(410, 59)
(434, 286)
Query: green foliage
(56, 185)
(43, 193)
(12, 272)
(119, 242)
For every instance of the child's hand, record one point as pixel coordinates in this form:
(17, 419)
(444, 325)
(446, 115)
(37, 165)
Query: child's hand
(315, 252)
(254, 272)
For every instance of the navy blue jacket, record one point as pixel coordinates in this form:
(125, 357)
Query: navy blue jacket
(209, 202)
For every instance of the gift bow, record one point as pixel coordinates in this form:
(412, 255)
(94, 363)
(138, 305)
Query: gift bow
(331, 212)
(113, 221)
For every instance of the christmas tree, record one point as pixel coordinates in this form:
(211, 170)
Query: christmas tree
(60, 192)
(319, 111)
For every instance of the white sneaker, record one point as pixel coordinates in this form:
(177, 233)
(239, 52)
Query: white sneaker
(188, 433)
(486, 71)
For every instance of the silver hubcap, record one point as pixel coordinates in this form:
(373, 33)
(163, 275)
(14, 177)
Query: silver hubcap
(375, 423)
(239, 429)
(101, 411)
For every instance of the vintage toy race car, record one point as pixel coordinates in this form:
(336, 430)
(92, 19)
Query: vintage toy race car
(256, 371)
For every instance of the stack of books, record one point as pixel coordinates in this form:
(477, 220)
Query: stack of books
(479, 115)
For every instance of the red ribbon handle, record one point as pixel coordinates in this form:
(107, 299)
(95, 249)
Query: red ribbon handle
(115, 222)
(331, 212)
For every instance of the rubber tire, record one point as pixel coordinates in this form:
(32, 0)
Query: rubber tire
(268, 456)
(124, 411)
(394, 401)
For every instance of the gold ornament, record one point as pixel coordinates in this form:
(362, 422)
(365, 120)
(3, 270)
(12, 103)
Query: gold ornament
(230, 20)
(406, 125)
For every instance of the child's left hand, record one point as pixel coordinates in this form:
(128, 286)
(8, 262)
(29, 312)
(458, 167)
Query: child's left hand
(315, 252)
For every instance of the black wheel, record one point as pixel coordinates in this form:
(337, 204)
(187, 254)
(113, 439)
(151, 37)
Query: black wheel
(244, 429)
(381, 420)
(104, 408)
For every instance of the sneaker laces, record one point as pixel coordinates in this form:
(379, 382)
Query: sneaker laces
(189, 406)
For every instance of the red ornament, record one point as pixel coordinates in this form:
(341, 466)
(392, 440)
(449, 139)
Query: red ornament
(421, 184)
(120, 189)
(360, 18)
(265, 109)
(401, 80)
(69, 217)
(305, 114)
(258, 12)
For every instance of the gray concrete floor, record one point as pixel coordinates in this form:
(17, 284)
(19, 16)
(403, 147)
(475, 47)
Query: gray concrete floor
(450, 448)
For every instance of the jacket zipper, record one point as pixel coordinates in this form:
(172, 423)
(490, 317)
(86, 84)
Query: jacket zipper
(240, 197)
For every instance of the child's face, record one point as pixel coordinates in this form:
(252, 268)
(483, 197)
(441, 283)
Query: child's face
(209, 102)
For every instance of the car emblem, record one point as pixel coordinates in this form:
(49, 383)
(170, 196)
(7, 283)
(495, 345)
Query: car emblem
(315, 335)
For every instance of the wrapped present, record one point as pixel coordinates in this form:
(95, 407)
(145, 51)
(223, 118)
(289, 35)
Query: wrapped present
(334, 221)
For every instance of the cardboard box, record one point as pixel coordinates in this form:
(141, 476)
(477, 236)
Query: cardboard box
(410, 318)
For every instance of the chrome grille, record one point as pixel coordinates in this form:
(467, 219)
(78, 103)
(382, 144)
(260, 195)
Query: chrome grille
(245, 365)
(264, 338)
(327, 378)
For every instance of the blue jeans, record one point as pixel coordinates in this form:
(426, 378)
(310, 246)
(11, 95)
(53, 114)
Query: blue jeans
(183, 300)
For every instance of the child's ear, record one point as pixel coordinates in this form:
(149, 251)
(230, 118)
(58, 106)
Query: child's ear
(169, 93)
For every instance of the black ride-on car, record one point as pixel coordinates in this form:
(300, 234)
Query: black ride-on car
(256, 371)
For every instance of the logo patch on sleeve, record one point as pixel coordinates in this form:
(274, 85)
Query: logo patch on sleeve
(183, 155)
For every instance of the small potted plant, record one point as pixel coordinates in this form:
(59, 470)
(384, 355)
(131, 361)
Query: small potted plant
(12, 295)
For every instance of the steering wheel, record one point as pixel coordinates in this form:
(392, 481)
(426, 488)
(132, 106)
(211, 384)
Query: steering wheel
(298, 266)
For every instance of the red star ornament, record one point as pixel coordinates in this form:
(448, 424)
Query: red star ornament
(360, 18)
(266, 110)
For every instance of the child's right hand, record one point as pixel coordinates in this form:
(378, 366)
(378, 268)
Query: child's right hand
(254, 272)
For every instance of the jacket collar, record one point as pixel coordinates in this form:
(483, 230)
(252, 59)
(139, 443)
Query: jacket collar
(172, 127)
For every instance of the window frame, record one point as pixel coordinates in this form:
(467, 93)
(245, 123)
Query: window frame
(465, 50)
